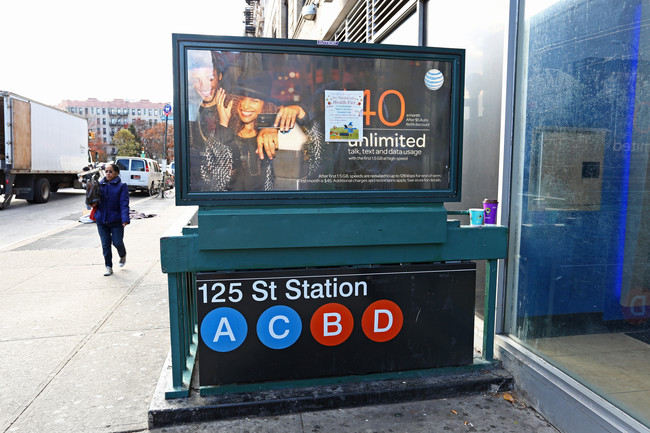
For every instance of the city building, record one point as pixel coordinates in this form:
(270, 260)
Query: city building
(556, 126)
(106, 118)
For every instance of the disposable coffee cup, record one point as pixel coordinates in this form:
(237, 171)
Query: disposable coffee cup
(490, 207)
(476, 217)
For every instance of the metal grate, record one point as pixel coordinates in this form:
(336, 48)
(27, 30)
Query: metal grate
(369, 18)
(384, 11)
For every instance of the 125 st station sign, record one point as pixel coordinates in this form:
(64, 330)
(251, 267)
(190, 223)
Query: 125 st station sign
(292, 324)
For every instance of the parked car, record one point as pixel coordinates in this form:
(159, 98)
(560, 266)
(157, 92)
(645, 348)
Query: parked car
(140, 174)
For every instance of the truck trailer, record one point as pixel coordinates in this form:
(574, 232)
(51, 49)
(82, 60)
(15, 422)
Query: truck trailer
(42, 149)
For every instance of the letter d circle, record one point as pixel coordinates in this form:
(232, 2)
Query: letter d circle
(382, 321)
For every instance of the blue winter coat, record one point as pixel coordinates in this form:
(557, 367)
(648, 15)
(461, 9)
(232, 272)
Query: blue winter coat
(114, 204)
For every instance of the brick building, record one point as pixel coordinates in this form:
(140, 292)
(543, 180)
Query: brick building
(106, 118)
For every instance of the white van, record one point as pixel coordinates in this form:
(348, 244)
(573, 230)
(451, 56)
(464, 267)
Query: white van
(140, 174)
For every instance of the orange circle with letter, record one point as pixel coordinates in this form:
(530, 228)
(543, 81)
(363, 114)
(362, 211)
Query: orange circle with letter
(331, 324)
(382, 321)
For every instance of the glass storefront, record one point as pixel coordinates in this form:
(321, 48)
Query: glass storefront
(579, 268)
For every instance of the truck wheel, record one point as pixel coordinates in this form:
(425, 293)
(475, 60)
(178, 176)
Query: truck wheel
(41, 190)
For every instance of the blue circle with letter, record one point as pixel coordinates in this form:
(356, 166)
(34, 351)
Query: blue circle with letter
(167, 109)
(279, 327)
(224, 329)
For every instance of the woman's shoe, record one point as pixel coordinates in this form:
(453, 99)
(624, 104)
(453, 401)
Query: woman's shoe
(109, 271)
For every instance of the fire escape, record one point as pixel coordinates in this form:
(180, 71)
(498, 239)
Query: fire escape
(253, 19)
(118, 119)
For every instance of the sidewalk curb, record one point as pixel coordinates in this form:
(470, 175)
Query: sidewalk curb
(31, 239)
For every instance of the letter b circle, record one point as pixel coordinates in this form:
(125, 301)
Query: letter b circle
(331, 324)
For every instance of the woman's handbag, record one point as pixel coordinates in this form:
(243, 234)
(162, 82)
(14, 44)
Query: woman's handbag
(93, 194)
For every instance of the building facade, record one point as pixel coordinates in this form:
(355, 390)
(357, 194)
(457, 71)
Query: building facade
(106, 118)
(556, 127)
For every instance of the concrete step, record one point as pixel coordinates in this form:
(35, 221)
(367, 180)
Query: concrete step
(240, 401)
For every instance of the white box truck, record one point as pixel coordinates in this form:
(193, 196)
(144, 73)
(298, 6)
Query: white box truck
(42, 149)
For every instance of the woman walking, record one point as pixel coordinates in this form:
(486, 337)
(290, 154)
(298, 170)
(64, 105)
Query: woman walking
(112, 215)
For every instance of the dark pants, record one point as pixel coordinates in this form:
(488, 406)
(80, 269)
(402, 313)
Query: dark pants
(111, 233)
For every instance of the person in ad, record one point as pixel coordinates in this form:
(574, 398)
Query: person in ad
(112, 216)
(239, 157)
(235, 162)
(206, 71)
(205, 74)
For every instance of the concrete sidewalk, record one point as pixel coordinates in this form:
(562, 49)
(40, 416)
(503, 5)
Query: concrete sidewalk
(80, 352)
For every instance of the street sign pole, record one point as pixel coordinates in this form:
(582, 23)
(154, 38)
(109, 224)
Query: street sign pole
(165, 145)
(167, 110)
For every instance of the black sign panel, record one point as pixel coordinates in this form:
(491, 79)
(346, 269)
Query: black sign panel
(295, 324)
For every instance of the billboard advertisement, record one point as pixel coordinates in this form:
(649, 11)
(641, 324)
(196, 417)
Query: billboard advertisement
(261, 119)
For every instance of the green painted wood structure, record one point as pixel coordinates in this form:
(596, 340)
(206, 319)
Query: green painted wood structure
(294, 236)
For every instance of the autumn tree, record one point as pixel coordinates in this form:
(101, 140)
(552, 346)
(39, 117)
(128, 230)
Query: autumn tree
(138, 126)
(96, 148)
(134, 130)
(153, 141)
(125, 142)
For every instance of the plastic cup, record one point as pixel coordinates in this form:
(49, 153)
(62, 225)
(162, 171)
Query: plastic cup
(490, 207)
(476, 217)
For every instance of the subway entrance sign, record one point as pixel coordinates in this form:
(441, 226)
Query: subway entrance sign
(287, 271)
(257, 326)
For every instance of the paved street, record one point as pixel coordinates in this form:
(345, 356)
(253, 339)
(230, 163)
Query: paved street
(22, 220)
